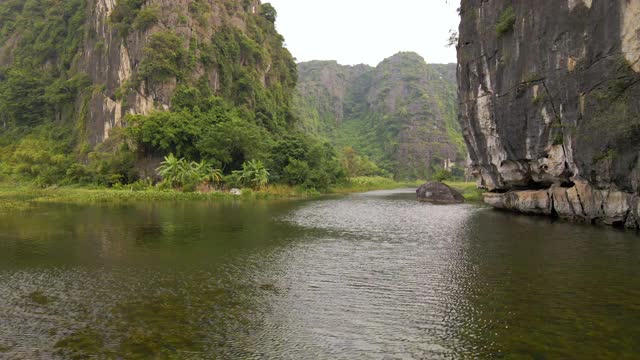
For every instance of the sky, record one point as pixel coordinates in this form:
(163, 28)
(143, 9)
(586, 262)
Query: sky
(367, 31)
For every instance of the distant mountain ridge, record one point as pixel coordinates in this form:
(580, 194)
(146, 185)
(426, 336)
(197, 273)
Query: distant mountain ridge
(401, 114)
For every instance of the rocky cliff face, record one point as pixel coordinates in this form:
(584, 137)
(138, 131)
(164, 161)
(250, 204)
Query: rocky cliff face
(225, 44)
(135, 54)
(549, 105)
(400, 113)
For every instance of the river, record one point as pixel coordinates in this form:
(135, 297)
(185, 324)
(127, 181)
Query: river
(375, 275)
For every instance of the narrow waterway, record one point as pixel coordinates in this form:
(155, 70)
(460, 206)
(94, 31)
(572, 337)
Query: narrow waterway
(375, 275)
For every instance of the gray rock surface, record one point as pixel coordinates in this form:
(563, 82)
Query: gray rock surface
(439, 193)
(549, 106)
(580, 203)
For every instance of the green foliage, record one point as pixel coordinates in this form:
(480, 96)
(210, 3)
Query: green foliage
(358, 166)
(240, 57)
(22, 97)
(392, 135)
(442, 175)
(200, 9)
(166, 132)
(39, 87)
(46, 156)
(165, 57)
(113, 161)
(146, 18)
(297, 159)
(269, 12)
(296, 172)
(221, 135)
(254, 174)
(182, 174)
(41, 157)
(124, 15)
(28, 97)
(44, 101)
(174, 172)
(47, 29)
(506, 21)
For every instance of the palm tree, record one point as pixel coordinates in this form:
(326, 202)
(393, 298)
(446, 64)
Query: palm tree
(254, 174)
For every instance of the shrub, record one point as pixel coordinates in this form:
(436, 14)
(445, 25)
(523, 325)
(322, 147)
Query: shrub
(79, 174)
(179, 173)
(254, 174)
(164, 57)
(43, 155)
(442, 175)
(146, 18)
(174, 172)
(506, 21)
(233, 180)
(269, 12)
(113, 161)
(124, 15)
(296, 173)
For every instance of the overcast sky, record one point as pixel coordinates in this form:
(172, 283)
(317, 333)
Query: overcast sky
(367, 31)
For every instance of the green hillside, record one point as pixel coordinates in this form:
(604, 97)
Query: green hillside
(400, 114)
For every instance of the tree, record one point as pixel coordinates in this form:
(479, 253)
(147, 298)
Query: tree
(164, 57)
(350, 161)
(269, 12)
(296, 173)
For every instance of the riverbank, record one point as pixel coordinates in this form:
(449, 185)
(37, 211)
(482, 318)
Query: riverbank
(23, 197)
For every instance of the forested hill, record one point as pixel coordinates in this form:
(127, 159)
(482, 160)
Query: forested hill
(400, 114)
(205, 80)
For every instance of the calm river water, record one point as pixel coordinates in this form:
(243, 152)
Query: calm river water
(374, 275)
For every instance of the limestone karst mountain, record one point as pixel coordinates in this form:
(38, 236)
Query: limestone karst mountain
(549, 105)
(401, 114)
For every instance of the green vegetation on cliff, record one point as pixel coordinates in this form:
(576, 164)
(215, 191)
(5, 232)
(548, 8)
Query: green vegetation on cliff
(400, 116)
(219, 94)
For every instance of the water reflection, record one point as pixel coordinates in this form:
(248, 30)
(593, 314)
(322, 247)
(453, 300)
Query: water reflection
(377, 275)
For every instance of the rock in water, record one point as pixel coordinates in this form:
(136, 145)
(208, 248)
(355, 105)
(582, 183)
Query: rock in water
(439, 193)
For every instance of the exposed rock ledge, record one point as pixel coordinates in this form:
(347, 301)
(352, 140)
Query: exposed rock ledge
(580, 203)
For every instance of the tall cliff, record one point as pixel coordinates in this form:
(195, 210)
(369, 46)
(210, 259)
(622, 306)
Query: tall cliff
(132, 54)
(98, 91)
(549, 104)
(401, 114)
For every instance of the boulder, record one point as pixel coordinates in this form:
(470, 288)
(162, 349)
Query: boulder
(439, 193)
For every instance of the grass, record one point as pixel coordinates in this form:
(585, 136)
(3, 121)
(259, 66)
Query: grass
(469, 190)
(25, 197)
(370, 183)
(22, 198)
